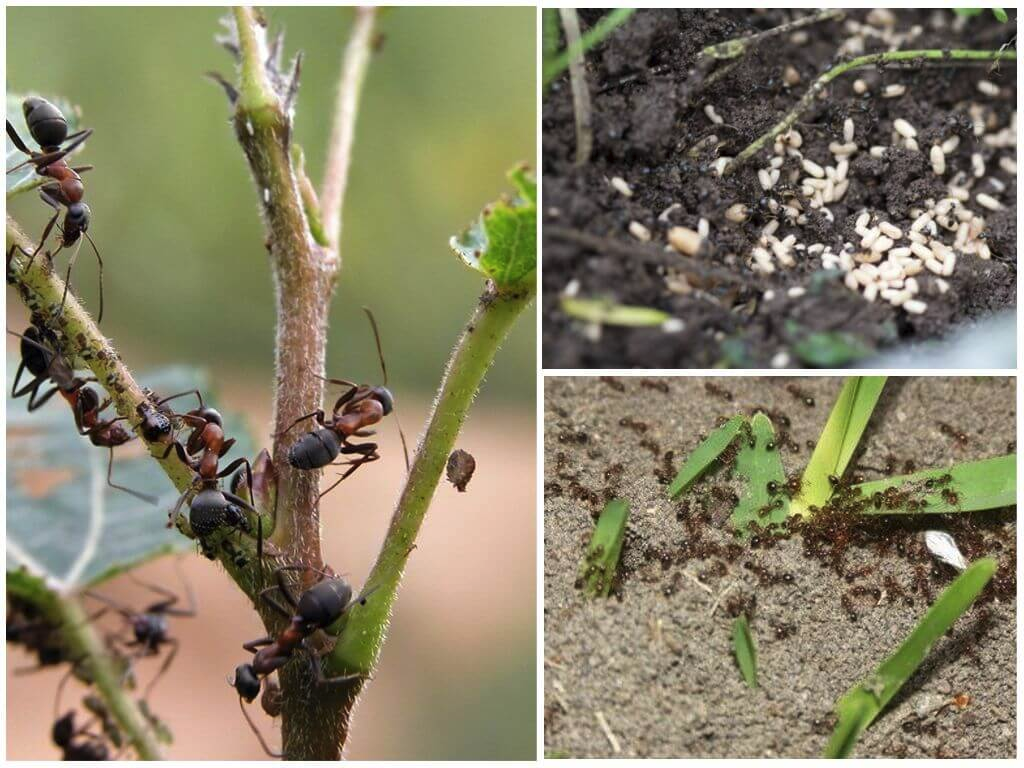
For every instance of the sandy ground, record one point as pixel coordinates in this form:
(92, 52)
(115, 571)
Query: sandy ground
(457, 677)
(657, 663)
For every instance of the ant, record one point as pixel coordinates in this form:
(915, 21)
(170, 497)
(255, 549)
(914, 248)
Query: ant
(49, 128)
(950, 431)
(317, 608)
(359, 407)
(149, 626)
(800, 394)
(716, 391)
(78, 743)
(41, 357)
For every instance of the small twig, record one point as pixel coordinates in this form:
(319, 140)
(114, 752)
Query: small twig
(718, 599)
(738, 46)
(339, 153)
(698, 582)
(606, 729)
(899, 58)
(578, 81)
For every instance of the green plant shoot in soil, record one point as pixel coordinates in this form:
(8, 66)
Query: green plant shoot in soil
(859, 706)
(838, 441)
(705, 455)
(758, 461)
(745, 650)
(608, 313)
(968, 487)
(598, 571)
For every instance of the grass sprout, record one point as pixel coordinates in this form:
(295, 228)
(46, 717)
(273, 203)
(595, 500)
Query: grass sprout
(598, 572)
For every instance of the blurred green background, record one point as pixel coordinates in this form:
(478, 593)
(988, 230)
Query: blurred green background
(449, 106)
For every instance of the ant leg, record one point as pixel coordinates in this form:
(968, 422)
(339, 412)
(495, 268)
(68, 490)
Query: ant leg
(67, 277)
(317, 414)
(228, 444)
(137, 494)
(253, 645)
(173, 642)
(255, 730)
(16, 140)
(173, 514)
(235, 465)
(195, 392)
(46, 233)
(36, 401)
(40, 160)
(321, 678)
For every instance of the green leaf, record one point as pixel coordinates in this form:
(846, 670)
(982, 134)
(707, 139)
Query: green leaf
(609, 313)
(502, 244)
(65, 525)
(760, 464)
(598, 570)
(26, 179)
(985, 484)
(1000, 15)
(838, 441)
(746, 652)
(859, 706)
(831, 349)
(705, 455)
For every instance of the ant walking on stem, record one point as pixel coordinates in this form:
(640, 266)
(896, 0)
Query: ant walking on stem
(49, 129)
(359, 407)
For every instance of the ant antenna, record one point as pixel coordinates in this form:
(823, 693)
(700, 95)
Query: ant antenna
(384, 370)
(252, 725)
(99, 260)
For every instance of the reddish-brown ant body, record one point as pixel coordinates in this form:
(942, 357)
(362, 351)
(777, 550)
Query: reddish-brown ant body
(359, 407)
(49, 129)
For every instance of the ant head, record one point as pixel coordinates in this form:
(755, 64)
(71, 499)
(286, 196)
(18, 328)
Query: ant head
(64, 729)
(46, 123)
(246, 682)
(385, 398)
(78, 216)
(88, 399)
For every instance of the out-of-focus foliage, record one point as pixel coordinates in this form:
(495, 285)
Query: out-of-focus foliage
(174, 209)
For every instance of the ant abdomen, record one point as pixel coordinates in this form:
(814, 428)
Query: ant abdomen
(315, 449)
(210, 510)
(46, 123)
(322, 604)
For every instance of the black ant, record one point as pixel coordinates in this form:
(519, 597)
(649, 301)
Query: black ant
(41, 356)
(950, 431)
(316, 608)
(49, 128)
(800, 394)
(150, 631)
(716, 391)
(359, 407)
(78, 743)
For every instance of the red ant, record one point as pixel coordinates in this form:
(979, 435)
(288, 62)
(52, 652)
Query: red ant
(149, 627)
(316, 608)
(49, 128)
(359, 407)
(46, 364)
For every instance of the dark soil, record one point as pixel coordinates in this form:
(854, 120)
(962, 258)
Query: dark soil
(826, 603)
(648, 106)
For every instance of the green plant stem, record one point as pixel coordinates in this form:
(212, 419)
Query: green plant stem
(83, 643)
(359, 645)
(901, 58)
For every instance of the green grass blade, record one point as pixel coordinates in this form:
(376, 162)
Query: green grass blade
(746, 652)
(759, 464)
(985, 484)
(859, 706)
(598, 571)
(838, 441)
(705, 455)
(554, 66)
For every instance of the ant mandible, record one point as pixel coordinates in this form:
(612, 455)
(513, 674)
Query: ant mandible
(359, 407)
(49, 128)
(317, 608)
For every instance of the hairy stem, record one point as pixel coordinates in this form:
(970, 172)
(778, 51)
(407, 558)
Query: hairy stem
(339, 153)
(359, 645)
(84, 643)
(899, 58)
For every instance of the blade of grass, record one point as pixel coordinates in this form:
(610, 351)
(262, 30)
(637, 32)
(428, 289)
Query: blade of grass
(838, 441)
(555, 66)
(598, 571)
(705, 455)
(859, 706)
(985, 484)
(746, 652)
(759, 464)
